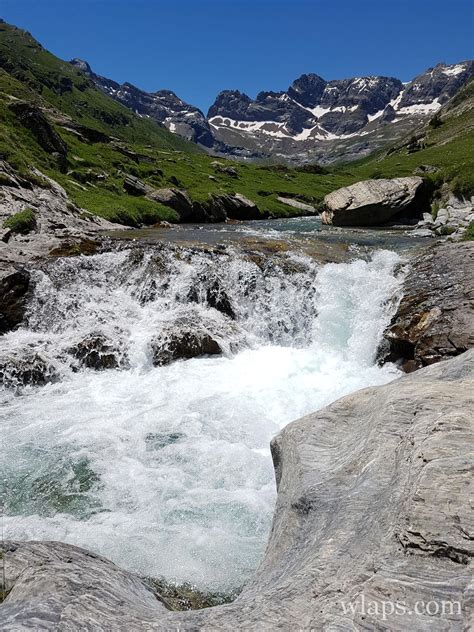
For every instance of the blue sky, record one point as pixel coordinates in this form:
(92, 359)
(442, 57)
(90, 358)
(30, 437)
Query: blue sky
(197, 48)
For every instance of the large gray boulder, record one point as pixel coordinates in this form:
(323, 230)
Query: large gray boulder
(372, 202)
(372, 529)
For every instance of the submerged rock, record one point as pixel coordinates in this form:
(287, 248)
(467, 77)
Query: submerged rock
(14, 285)
(372, 517)
(435, 318)
(372, 202)
(29, 368)
(183, 341)
(96, 352)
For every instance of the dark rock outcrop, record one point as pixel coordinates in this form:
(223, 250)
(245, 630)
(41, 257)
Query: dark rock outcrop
(96, 352)
(14, 285)
(373, 202)
(372, 518)
(163, 106)
(134, 186)
(435, 318)
(176, 199)
(33, 118)
(236, 206)
(28, 368)
(183, 341)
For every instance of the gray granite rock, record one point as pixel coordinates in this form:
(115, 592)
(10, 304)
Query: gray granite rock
(372, 202)
(372, 516)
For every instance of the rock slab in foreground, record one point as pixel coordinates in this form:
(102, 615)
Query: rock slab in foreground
(372, 508)
(435, 318)
(372, 202)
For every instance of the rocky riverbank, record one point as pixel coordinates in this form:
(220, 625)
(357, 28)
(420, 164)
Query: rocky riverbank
(435, 318)
(36, 222)
(371, 520)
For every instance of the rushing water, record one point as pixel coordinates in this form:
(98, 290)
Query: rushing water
(167, 469)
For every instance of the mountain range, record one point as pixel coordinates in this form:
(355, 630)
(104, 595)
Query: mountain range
(313, 121)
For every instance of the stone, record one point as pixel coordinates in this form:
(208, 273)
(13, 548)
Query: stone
(228, 171)
(59, 223)
(189, 335)
(27, 368)
(435, 317)
(183, 344)
(308, 208)
(423, 232)
(33, 118)
(235, 206)
(373, 202)
(176, 199)
(372, 515)
(96, 352)
(134, 186)
(14, 286)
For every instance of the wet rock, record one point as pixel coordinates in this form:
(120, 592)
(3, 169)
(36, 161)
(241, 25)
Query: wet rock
(96, 352)
(373, 202)
(158, 440)
(435, 318)
(214, 296)
(372, 509)
(186, 596)
(183, 341)
(14, 285)
(28, 368)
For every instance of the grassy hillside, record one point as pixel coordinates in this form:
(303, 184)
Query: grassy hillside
(104, 141)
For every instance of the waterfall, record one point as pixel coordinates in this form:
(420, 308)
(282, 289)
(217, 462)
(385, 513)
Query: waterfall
(166, 469)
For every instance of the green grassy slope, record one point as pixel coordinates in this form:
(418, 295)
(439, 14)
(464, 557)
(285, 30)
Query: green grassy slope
(94, 171)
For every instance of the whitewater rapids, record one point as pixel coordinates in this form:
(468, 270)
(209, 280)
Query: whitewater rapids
(167, 470)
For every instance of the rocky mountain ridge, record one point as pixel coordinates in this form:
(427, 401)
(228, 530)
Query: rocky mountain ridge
(314, 120)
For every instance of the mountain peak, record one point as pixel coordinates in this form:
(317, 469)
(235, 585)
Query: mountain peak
(81, 64)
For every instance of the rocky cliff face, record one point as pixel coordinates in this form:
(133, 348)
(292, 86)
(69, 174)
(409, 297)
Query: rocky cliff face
(370, 531)
(163, 106)
(435, 318)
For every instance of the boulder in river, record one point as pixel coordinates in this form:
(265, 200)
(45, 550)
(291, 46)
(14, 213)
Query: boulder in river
(373, 202)
(29, 368)
(183, 339)
(372, 519)
(97, 352)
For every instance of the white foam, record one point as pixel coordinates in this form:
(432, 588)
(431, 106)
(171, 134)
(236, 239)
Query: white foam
(184, 483)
